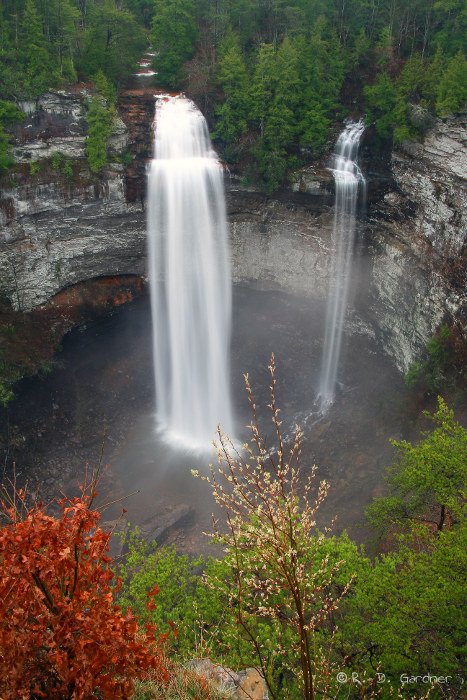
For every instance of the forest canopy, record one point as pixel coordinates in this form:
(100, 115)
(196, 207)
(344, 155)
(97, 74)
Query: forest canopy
(273, 76)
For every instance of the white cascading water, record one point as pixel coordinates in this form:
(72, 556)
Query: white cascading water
(190, 278)
(347, 178)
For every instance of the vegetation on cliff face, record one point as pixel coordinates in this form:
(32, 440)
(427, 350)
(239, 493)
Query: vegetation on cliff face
(100, 117)
(9, 114)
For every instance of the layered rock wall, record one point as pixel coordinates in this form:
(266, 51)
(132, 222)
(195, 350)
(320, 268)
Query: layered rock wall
(418, 243)
(57, 231)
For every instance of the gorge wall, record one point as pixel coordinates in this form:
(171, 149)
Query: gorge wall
(57, 230)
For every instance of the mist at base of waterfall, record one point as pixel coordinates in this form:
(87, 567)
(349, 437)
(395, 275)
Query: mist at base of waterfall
(101, 392)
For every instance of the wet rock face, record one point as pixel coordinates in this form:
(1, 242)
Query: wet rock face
(418, 241)
(55, 235)
(280, 244)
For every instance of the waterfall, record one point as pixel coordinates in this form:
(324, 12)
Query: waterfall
(190, 278)
(347, 177)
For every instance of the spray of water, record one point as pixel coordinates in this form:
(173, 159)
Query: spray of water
(347, 177)
(190, 278)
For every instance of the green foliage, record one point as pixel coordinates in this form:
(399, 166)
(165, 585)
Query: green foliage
(273, 61)
(427, 481)
(451, 95)
(233, 113)
(100, 126)
(56, 160)
(46, 44)
(126, 158)
(397, 614)
(381, 102)
(174, 33)
(9, 114)
(450, 25)
(105, 88)
(111, 42)
(34, 167)
(437, 372)
(176, 576)
(68, 168)
(34, 54)
(314, 129)
(403, 616)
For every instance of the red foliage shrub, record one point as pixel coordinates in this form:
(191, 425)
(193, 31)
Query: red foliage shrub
(61, 634)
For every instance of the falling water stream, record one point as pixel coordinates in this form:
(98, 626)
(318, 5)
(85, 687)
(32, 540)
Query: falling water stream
(190, 278)
(347, 177)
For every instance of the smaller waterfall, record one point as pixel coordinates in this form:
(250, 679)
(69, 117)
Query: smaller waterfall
(190, 278)
(347, 177)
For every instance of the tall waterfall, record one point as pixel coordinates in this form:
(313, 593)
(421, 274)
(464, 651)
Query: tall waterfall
(347, 177)
(190, 278)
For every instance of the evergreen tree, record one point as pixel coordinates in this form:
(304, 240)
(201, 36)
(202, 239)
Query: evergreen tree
(263, 86)
(232, 115)
(100, 124)
(434, 73)
(63, 16)
(34, 54)
(9, 114)
(452, 89)
(411, 87)
(380, 102)
(174, 33)
(112, 42)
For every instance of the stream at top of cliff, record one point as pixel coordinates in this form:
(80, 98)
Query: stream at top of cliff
(100, 393)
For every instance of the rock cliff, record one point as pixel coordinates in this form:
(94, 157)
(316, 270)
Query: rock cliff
(57, 230)
(418, 242)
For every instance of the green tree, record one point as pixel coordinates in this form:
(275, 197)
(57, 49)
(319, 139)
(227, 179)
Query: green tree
(34, 54)
(9, 114)
(263, 86)
(434, 73)
(232, 115)
(452, 89)
(174, 33)
(380, 99)
(427, 481)
(411, 88)
(450, 25)
(100, 125)
(314, 128)
(403, 614)
(60, 19)
(111, 41)
(177, 578)
(322, 75)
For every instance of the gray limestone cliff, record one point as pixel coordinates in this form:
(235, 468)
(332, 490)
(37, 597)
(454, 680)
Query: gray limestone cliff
(418, 237)
(56, 231)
